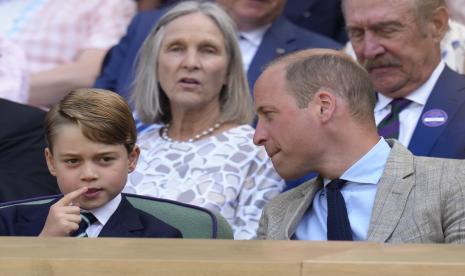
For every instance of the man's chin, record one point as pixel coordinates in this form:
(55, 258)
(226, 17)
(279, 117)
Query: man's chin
(289, 175)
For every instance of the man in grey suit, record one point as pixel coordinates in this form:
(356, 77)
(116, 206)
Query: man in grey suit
(315, 110)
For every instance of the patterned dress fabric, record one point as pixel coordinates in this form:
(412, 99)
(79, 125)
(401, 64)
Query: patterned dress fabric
(225, 173)
(453, 47)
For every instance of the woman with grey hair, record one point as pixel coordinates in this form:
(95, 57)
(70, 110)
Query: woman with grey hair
(191, 84)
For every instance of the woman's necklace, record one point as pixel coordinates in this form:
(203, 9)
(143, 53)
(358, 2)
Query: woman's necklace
(164, 133)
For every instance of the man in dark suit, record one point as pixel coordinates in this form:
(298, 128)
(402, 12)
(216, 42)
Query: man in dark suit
(402, 54)
(276, 34)
(126, 222)
(320, 16)
(23, 171)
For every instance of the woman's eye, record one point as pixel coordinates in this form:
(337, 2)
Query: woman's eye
(175, 48)
(209, 50)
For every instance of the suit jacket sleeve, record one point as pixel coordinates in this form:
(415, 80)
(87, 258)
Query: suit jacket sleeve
(454, 202)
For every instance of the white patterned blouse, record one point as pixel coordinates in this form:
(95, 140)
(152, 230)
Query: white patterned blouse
(225, 173)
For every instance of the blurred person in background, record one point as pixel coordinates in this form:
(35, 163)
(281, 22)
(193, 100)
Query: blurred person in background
(321, 16)
(13, 72)
(64, 41)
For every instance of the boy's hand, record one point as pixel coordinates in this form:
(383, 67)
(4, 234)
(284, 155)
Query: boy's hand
(63, 216)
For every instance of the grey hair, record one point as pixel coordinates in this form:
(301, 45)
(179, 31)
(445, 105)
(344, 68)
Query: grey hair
(423, 9)
(151, 102)
(426, 8)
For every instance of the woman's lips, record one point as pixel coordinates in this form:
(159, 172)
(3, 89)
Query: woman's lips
(189, 83)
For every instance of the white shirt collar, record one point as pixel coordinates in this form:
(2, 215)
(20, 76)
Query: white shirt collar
(104, 212)
(255, 36)
(420, 95)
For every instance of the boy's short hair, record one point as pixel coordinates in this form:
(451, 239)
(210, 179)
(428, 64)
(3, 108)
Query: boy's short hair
(103, 116)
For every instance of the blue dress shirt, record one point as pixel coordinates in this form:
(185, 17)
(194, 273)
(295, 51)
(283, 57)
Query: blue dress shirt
(359, 195)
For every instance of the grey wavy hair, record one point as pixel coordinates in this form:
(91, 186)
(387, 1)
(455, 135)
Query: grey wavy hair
(151, 102)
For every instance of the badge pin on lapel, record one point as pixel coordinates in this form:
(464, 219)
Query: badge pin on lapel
(434, 118)
(280, 51)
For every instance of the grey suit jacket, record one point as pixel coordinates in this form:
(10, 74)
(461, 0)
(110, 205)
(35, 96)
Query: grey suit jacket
(418, 200)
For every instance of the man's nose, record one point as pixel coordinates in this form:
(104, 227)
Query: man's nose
(372, 46)
(259, 137)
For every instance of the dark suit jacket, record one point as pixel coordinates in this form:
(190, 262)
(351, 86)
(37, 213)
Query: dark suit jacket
(321, 16)
(23, 170)
(126, 221)
(283, 37)
(448, 140)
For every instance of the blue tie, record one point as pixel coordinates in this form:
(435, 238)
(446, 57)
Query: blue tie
(338, 221)
(87, 219)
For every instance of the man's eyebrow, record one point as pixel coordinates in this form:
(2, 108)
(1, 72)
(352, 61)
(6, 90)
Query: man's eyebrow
(391, 23)
(378, 25)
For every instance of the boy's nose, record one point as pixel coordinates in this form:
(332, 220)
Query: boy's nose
(88, 173)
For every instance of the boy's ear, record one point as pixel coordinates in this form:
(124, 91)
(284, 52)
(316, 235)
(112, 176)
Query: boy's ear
(133, 157)
(50, 162)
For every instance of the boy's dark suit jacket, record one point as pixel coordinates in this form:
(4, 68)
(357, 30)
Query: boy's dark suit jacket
(126, 222)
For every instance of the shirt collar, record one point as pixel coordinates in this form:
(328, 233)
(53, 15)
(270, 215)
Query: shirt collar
(369, 168)
(420, 95)
(255, 36)
(104, 212)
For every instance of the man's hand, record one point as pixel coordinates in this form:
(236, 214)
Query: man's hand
(63, 216)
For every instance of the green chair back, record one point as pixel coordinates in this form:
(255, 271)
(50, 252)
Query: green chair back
(194, 222)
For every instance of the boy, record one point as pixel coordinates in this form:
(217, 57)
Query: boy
(91, 149)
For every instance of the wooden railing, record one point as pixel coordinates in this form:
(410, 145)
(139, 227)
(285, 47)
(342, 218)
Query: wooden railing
(108, 256)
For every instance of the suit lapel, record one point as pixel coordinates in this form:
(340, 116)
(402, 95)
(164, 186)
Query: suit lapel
(448, 95)
(296, 210)
(33, 219)
(124, 222)
(393, 190)
(278, 36)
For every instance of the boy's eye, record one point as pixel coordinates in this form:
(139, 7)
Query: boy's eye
(106, 159)
(71, 161)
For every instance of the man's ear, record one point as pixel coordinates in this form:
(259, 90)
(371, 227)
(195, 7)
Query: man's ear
(439, 23)
(50, 162)
(132, 158)
(326, 102)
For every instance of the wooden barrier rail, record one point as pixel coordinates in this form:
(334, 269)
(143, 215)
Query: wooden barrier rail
(108, 256)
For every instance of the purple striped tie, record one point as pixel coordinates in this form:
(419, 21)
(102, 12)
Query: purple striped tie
(389, 126)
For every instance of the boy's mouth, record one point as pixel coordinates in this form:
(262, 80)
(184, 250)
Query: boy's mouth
(92, 192)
